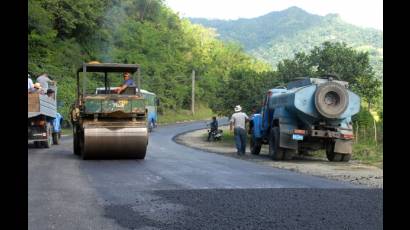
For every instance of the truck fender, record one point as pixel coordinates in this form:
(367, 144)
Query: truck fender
(286, 123)
(343, 146)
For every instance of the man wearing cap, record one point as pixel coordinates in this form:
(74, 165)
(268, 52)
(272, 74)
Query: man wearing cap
(238, 121)
(127, 82)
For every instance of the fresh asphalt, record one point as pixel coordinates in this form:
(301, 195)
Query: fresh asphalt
(177, 187)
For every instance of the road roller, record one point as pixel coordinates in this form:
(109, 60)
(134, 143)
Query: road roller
(111, 124)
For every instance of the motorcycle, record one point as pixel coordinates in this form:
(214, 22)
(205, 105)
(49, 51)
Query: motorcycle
(216, 135)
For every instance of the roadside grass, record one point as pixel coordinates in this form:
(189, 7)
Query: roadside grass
(365, 152)
(66, 131)
(172, 116)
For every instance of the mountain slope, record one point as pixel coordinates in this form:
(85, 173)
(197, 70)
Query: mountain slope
(278, 35)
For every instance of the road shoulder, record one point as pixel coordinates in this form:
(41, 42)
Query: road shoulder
(352, 172)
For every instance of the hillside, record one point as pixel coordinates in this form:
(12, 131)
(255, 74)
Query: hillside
(280, 34)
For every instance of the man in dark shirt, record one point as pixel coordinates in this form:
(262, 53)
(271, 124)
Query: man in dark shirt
(127, 82)
(214, 127)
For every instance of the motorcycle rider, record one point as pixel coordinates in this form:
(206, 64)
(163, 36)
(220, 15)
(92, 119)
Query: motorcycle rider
(214, 127)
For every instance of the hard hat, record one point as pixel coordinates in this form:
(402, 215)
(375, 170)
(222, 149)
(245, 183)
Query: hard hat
(238, 108)
(37, 85)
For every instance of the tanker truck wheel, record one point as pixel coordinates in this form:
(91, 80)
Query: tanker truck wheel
(331, 155)
(346, 157)
(289, 154)
(275, 152)
(255, 144)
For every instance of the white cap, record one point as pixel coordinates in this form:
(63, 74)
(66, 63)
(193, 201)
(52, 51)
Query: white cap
(238, 108)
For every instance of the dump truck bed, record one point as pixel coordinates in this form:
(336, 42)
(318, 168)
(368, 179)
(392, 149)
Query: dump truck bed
(41, 105)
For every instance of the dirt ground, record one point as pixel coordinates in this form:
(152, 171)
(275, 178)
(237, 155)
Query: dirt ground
(352, 171)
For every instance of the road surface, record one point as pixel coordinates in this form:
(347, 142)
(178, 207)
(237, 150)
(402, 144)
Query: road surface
(177, 187)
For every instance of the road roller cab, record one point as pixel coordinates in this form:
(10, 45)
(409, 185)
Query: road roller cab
(108, 125)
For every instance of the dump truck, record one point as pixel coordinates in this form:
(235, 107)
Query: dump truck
(307, 115)
(107, 124)
(43, 119)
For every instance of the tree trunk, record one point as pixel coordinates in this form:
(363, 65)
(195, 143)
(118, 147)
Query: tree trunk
(375, 131)
(357, 132)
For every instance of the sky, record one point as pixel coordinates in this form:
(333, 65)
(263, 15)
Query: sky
(364, 13)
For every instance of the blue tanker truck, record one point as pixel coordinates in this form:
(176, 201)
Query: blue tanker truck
(307, 115)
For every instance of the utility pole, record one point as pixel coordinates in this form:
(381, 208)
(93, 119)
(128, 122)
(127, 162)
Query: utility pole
(193, 93)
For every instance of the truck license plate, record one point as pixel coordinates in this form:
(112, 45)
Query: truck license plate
(297, 137)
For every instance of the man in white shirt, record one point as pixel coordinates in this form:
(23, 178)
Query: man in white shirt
(238, 121)
(30, 84)
(43, 80)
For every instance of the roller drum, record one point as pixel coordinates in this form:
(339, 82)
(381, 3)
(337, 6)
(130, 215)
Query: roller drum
(115, 142)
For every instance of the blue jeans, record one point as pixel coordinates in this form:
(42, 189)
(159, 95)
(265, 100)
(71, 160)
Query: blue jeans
(240, 140)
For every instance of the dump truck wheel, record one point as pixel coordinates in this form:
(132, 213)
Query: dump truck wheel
(37, 144)
(275, 151)
(255, 145)
(56, 139)
(49, 142)
(346, 157)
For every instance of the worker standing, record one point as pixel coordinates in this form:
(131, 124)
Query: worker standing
(238, 121)
(30, 84)
(43, 79)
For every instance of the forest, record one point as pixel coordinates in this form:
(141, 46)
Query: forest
(62, 34)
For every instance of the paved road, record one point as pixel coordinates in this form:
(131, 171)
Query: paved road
(176, 187)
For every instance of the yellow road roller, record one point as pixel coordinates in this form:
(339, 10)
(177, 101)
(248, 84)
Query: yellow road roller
(110, 123)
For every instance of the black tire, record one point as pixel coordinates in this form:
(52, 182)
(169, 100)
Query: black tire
(56, 138)
(255, 145)
(49, 142)
(346, 157)
(81, 146)
(288, 154)
(76, 144)
(275, 152)
(331, 155)
(304, 153)
(37, 144)
(331, 99)
(76, 147)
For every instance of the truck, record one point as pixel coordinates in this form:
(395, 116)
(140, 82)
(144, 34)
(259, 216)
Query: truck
(43, 119)
(108, 124)
(307, 115)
